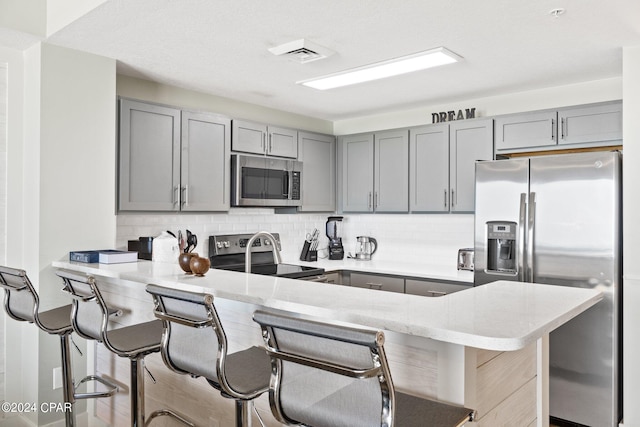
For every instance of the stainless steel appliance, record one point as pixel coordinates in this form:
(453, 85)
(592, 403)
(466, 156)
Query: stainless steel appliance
(466, 259)
(265, 181)
(365, 247)
(557, 220)
(227, 252)
(334, 233)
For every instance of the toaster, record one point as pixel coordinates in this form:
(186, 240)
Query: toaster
(465, 259)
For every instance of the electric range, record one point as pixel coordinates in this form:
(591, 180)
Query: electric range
(227, 252)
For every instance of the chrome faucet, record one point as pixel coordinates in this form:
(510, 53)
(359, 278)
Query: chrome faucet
(277, 259)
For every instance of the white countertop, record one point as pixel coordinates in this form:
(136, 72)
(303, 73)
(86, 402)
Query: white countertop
(424, 270)
(500, 316)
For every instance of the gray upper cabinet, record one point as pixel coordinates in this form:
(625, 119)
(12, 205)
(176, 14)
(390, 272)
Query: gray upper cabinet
(442, 164)
(429, 168)
(597, 123)
(469, 141)
(172, 160)
(205, 162)
(357, 173)
(257, 138)
(149, 157)
(572, 127)
(391, 187)
(525, 131)
(374, 172)
(318, 155)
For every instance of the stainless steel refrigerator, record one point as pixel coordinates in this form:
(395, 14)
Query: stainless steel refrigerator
(557, 220)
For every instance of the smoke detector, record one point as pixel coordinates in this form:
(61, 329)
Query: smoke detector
(302, 51)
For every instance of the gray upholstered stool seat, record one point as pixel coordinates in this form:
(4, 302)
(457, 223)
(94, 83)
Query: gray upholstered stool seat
(22, 303)
(56, 320)
(195, 343)
(247, 371)
(326, 375)
(89, 318)
(133, 340)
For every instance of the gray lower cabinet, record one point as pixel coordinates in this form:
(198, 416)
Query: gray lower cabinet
(431, 288)
(162, 168)
(442, 164)
(318, 155)
(378, 282)
(258, 138)
(572, 127)
(374, 172)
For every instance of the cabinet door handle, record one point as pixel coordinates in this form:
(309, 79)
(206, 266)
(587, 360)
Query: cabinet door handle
(185, 197)
(176, 196)
(562, 129)
(375, 199)
(270, 143)
(453, 198)
(377, 286)
(369, 204)
(445, 197)
(264, 143)
(553, 127)
(436, 293)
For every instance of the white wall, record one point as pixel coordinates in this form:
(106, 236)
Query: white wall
(61, 195)
(163, 94)
(631, 197)
(433, 239)
(553, 97)
(13, 243)
(3, 207)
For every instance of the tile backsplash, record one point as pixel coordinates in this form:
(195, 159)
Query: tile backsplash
(433, 239)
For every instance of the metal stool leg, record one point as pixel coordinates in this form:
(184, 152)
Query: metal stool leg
(243, 413)
(137, 398)
(67, 382)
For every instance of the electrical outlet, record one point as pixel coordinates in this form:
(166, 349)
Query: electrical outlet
(57, 377)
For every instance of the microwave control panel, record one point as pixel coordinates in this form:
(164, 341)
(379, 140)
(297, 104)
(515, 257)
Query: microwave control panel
(295, 185)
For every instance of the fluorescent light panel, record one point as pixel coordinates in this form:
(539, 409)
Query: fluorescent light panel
(380, 70)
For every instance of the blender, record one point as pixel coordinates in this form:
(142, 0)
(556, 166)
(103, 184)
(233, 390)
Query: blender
(334, 233)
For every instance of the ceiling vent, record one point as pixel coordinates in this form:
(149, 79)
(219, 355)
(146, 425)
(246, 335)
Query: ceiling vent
(302, 51)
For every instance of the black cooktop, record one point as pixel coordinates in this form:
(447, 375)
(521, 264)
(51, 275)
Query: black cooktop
(281, 270)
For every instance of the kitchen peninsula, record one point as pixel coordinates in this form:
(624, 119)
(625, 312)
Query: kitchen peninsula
(484, 347)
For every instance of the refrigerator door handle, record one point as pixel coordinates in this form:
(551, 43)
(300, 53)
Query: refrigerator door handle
(530, 235)
(522, 237)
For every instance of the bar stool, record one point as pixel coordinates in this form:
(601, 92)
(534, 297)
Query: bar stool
(195, 343)
(22, 303)
(89, 317)
(328, 375)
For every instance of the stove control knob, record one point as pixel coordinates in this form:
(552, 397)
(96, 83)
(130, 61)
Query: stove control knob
(267, 242)
(219, 245)
(225, 244)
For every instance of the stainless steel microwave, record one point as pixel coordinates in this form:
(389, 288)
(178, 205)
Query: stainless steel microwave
(265, 181)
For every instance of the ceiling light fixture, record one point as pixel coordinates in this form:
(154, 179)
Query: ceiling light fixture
(380, 70)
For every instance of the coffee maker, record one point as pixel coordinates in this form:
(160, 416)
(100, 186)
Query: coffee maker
(334, 233)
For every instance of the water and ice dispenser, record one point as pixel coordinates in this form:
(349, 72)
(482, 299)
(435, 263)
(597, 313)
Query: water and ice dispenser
(501, 247)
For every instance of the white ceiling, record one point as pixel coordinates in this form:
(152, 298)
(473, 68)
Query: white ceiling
(221, 47)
